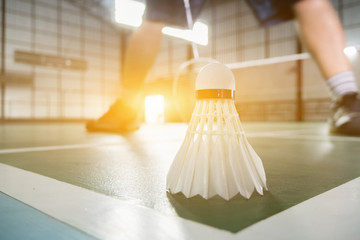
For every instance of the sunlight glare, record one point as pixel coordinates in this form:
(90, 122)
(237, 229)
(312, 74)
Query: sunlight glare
(154, 109)
(129, 12)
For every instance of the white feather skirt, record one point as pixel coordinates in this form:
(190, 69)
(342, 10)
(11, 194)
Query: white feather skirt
(215, 157)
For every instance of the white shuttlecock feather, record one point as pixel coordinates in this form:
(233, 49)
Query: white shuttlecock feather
(215, 157)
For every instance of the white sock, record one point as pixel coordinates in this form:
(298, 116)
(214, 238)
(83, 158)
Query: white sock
(342, 84)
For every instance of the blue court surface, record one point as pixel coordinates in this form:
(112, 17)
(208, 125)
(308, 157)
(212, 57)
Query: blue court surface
(58, 181)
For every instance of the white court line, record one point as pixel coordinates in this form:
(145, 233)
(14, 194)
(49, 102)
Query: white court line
(278, 133)
(52, 148)
(96, 214)
(291, 134)
(334, 214)
(90, 145)
(314, 138)
(287, 134)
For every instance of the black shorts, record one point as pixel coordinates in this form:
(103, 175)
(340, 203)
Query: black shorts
(172, 12)
(270, 12)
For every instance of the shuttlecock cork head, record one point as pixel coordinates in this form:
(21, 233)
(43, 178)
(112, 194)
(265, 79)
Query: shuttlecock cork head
(215, 80)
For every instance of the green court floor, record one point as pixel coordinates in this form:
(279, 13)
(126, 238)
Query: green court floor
(301, 161)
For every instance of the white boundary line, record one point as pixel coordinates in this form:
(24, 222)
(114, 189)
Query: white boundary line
(334, 214)
(96, 214)
(290, 135)
(315, 138)
(287, 134)
(51, 148)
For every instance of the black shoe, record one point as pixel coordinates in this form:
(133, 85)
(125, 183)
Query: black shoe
(345, 115)
(120, 118)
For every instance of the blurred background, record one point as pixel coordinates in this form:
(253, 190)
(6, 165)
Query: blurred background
(62, 60)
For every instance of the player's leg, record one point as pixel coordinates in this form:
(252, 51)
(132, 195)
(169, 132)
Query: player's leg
(322, 33)
(141, 53)
(143, 48)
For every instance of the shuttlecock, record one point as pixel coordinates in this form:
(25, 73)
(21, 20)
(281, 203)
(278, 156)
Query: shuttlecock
(215, 157)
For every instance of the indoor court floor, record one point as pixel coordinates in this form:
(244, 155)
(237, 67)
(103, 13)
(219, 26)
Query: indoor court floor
(58, 181)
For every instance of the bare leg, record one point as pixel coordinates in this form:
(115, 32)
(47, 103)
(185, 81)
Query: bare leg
(143, 48)
(322, 33)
